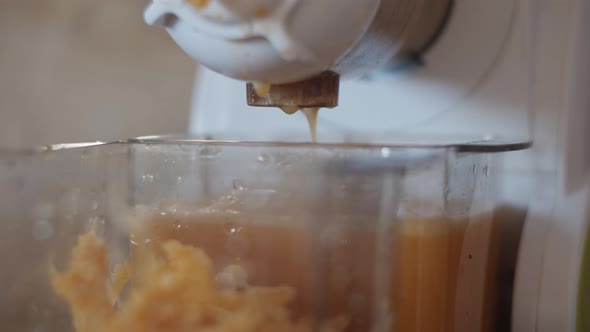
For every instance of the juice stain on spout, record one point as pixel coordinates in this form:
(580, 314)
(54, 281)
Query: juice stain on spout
(261, 88)
(199, 4)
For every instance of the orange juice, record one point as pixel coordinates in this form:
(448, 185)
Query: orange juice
(428, 253)
(333, 267)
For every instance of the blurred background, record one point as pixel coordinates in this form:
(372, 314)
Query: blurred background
(84, 70)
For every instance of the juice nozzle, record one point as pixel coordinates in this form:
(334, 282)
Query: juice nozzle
(318, 91)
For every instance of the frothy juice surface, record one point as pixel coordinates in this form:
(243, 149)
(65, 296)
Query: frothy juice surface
(334, 269)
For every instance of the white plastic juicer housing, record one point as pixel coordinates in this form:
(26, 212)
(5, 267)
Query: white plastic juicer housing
(512, 68)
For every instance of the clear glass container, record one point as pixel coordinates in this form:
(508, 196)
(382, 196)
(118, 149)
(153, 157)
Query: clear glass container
(347, 237)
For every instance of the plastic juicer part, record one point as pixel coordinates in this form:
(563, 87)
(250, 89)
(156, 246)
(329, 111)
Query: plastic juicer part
(319, 91)
(291, 42)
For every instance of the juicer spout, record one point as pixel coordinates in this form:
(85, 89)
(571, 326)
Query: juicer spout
(318, 91)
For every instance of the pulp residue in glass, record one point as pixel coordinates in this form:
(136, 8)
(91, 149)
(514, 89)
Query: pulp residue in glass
(174, 288)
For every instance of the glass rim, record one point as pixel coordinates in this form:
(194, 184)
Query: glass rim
(483, 145)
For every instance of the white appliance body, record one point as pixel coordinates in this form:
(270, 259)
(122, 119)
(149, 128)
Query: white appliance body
(512, 68)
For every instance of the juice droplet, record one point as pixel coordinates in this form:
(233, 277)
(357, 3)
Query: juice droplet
(168, 209)
(133, 239)
(290, 109)
(237, 185)
(231, 228)
(210, 153)
(263, 159)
